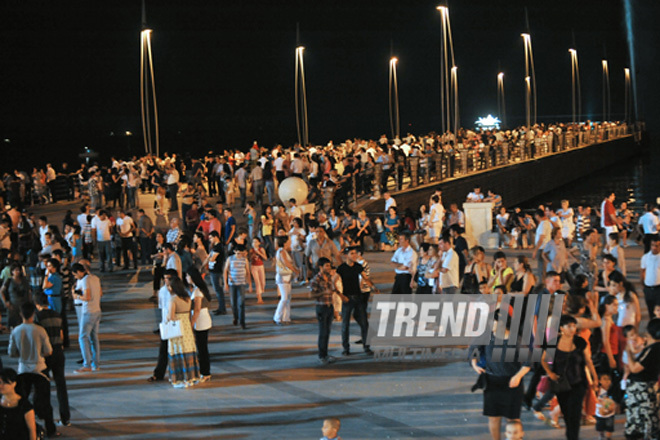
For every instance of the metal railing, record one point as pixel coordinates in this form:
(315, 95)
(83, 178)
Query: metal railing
(414, 171)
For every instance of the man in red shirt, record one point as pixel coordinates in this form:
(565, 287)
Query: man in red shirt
(608, 219)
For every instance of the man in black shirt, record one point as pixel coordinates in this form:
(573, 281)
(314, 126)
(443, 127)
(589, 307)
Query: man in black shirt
(350, 273)
(215, 263)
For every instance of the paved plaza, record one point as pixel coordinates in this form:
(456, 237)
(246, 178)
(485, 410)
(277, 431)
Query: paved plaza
(266, 380)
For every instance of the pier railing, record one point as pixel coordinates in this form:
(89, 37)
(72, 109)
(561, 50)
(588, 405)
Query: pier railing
(423, 169)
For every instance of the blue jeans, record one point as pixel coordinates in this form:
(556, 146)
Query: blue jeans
(216, 282)
(105, 254)
(238, 302)
(89, 339)
(270, 189)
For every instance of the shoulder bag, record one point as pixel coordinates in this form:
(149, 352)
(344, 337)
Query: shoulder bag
(170, 329)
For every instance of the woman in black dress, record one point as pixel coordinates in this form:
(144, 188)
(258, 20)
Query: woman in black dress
(571, 357)
(16, 413)
(503, 393)
(641, 398)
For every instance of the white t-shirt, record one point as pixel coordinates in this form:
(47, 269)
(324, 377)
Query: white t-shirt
(651, 264)
(92, 283)
(82, 220)
(125, 225)
(204, 321)
(102, 228)
(389, 203)
(475, 198)
(543, 233)
(502, 219)
(437, 213)
(451, 277)
(649, 222)
(279, 164)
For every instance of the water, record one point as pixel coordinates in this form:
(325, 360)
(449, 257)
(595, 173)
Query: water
(635, 181)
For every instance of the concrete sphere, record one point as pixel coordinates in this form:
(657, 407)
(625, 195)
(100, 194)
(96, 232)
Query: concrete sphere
(293, 188)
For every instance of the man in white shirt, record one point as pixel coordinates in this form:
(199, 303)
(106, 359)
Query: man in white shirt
(404, 262)
(279, 167)
(126, 227)
(294, 210)
(172, 259)
(449, 276)
(650, 274)
(101, 234)
(475, 196)
(649, 225)
(173, 187)
(543, 236)
(389, 202)
(164, 297)
(88, 292)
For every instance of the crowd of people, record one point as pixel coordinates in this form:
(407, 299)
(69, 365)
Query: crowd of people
(217, 227)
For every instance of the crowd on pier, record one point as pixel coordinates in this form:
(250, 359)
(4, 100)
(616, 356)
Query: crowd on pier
(216, 227)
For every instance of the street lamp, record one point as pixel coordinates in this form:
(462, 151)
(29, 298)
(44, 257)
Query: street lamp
(606, 91)
(147, 81)
(575, 86)
(395, 124)
(627, 94)
(501, 102)
(446, 60)
(302, 124)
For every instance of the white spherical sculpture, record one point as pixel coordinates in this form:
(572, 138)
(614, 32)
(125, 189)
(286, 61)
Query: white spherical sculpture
(293, 188)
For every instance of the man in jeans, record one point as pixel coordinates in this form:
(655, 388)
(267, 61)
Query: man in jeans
(323, 288)
(350, 272)
(29, 342)
(237, 276)
(101, 233)
(88, 292)
(214, 261)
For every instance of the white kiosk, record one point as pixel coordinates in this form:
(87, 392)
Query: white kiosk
(479, 225)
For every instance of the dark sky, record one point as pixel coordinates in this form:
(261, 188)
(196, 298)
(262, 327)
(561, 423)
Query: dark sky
(225, 70)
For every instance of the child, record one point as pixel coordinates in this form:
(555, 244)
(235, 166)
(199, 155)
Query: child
(636, 343)
(514, 430)
(330, 429)
(656, 311)
(613, 248)
(605, 408)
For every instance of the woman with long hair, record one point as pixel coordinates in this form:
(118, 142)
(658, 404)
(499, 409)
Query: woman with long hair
(159, 265)
(285, 270)
(267, 230)
(201, 319)
(610, 336)
(629, 312)
(182, 351)
(257, 257)
(523, 278)
(17, 420)
(568, 372)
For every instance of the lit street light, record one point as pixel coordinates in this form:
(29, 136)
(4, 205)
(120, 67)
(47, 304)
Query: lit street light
(395, 125)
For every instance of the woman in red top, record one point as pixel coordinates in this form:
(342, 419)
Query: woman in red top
(610, 332)
(257, 258)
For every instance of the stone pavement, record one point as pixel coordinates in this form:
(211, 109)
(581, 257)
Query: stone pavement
(266, 381)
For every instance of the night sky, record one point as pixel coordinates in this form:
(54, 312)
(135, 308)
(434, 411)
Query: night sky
(225, 70)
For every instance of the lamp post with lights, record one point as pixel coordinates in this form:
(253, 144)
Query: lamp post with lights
(395, 125)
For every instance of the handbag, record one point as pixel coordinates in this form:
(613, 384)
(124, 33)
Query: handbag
(170, 329)
(470, 283)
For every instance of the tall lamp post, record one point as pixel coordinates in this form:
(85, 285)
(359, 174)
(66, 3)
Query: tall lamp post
(147, 82)
(501, 102)
(395, 125)
(446, 64)
(607, 106)
(575, 86)
(530, 76)
(302, 124)
(627, 99)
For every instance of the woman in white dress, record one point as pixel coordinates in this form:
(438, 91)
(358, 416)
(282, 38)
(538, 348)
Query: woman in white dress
(566, 217)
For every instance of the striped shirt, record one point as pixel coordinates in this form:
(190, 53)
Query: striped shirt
(51, 321)
(237, 271)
